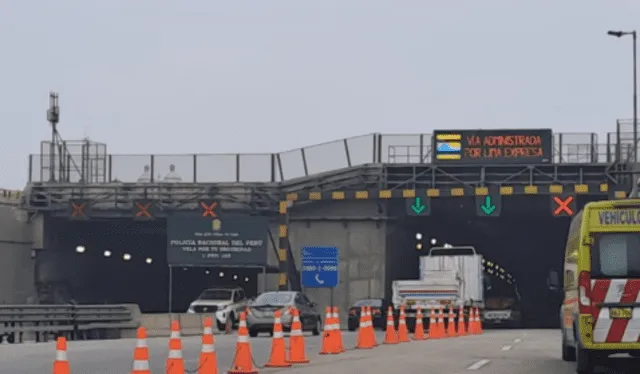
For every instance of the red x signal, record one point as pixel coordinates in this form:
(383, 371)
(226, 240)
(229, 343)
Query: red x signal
(562, 206)
(143, 210)
(208, 210)
(78, 210)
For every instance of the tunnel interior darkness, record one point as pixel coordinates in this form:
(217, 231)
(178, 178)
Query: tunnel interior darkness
(103, 273)
(526, 240)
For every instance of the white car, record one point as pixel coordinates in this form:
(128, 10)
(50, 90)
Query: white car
(225, 304)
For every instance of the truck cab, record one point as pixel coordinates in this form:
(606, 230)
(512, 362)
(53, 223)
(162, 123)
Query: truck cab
(502, 303)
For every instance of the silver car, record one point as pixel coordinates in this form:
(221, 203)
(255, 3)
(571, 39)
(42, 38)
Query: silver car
(261, 312)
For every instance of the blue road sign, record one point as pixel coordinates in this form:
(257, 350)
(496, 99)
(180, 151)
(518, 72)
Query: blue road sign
(319, 267)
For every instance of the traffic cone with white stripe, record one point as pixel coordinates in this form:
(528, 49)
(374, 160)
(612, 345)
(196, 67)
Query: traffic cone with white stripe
(364, 340)
(473, 326)
(297, 349)
(61, 363)
(208, 358)
(390, 335)
(441, 328)
(175, 362)
(278, 358)
(370, 330)
(451, 323)
(462, 331)
(403, 331)
(337, 330)
(141, 353)
(478, 321)
(243, 361)
(433, 325)
(418, 332)
(328, 338)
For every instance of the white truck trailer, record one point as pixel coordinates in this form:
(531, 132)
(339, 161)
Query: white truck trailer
(448, 276)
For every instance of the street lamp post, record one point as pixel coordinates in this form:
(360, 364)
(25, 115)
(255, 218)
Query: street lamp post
(620, 34)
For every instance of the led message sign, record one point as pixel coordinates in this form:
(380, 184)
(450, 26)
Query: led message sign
(493, 146)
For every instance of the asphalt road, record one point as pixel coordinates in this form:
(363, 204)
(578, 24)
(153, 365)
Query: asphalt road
(501, 351)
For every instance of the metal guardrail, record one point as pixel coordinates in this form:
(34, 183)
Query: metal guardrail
(92, 164)
(43, 322)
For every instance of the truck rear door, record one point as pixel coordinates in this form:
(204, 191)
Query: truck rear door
(615, 287)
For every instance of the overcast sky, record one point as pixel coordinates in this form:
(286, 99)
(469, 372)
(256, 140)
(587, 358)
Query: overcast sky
(153, 76)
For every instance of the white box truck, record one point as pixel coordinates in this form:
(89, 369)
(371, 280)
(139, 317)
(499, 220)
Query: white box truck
(448, 276)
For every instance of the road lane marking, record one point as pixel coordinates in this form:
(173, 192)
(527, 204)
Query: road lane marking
(479, 364)
(517, 340)
(506, 348)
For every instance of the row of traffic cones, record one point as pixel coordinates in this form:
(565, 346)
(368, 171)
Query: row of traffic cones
(438, 329)
(175, 363)
(295, 353)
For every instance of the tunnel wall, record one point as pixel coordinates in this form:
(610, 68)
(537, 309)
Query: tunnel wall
(17, 266)
(362, 246)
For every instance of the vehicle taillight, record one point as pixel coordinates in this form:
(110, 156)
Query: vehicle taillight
(584, 292)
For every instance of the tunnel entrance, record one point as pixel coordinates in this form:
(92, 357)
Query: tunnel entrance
(125, 261)
(527, 242)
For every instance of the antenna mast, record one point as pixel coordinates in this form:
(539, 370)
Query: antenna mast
(53, 116)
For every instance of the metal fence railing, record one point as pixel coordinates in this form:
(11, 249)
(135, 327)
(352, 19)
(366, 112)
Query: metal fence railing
(96, 166)
(42, 322)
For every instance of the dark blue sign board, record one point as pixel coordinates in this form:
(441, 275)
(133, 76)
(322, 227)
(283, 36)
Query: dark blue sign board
(319, 267)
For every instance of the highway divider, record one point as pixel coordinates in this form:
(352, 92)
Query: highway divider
(287, 355)
(41, 323)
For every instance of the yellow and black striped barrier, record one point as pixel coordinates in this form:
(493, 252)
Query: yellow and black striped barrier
(552, 189)
(610, 191)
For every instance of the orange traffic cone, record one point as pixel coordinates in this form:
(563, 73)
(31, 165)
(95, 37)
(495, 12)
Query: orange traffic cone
(418, 332)
(243, 361)
(141, 354)
(328, 339)
(441, 328)
(364, 336)
(462, 331)
(473, 322)
(278, 358)
(372, 330)
(434, 333)
(175, 362)
(478, 321)
(390, 336)
(208, 359)
(403, 332)
(451, 323)
(338, 330)
(297, 350)
(61, 364)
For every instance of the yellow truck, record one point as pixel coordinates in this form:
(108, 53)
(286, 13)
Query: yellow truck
(600, 315)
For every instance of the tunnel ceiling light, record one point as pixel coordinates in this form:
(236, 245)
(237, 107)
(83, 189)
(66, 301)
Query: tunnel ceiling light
(80, 249)
(418, 236)
(148, 260)
(107, 253)
(126, 257)
(434, 241)
(221, 274)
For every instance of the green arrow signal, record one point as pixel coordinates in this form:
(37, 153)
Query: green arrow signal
(488, 207)
(418, 207)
